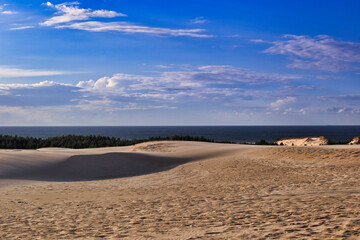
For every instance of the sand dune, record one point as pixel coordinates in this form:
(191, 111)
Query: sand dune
(306, 141)
(355, 140)
(181, 190)
(74, 165)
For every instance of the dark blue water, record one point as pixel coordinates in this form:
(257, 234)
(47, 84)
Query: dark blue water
(217, 133)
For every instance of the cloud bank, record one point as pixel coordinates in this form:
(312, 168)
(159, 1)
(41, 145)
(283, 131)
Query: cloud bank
(237, 92)
(167, 88)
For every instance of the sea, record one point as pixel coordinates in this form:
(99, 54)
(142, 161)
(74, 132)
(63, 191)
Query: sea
(238, 134)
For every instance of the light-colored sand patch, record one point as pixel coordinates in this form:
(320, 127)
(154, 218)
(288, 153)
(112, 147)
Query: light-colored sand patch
(219, 191)
(307, 141)
(355, 140)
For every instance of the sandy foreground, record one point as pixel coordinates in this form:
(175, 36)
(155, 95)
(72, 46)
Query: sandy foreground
(181, 190)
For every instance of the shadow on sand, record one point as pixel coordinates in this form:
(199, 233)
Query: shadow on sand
(95, 167)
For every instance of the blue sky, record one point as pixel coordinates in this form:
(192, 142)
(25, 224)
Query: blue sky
(122, 62)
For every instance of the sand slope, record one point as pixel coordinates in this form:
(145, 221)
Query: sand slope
(181, 190)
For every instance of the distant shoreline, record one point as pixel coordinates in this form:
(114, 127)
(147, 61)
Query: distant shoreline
(236, 134)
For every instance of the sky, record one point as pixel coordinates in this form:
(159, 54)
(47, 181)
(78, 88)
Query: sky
(160, 62)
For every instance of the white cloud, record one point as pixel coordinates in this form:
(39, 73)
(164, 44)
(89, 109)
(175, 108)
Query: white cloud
(46, 93)
(282, 102)
(354, 98)
(49, 4)
(125, 27)
(230, 75)
(343, 110)
(22, 28)
(11, 72)
(225, 85)
(257, 41)
(321, 52)
(30, 85)
(8, 12)
(164, 66)
(69, 12)
(204, 75)
(302, 111)
(205, 82)
(199, 20)
(213, 83)
(225, 88)
(70, 16)
(86, 84)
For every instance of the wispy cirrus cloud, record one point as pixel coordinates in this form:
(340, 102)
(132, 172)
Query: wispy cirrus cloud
(70, 16)
(22, 27)
(321, 52)
(230, 75)
(14, 72)
(164, 66)
(349, 98)
(125, 27)
(343, 110)
(199, 20)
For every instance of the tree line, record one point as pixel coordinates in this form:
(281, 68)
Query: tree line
(93, 141)
(78, 141)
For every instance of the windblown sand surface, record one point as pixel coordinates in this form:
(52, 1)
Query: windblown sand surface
(181, 190)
